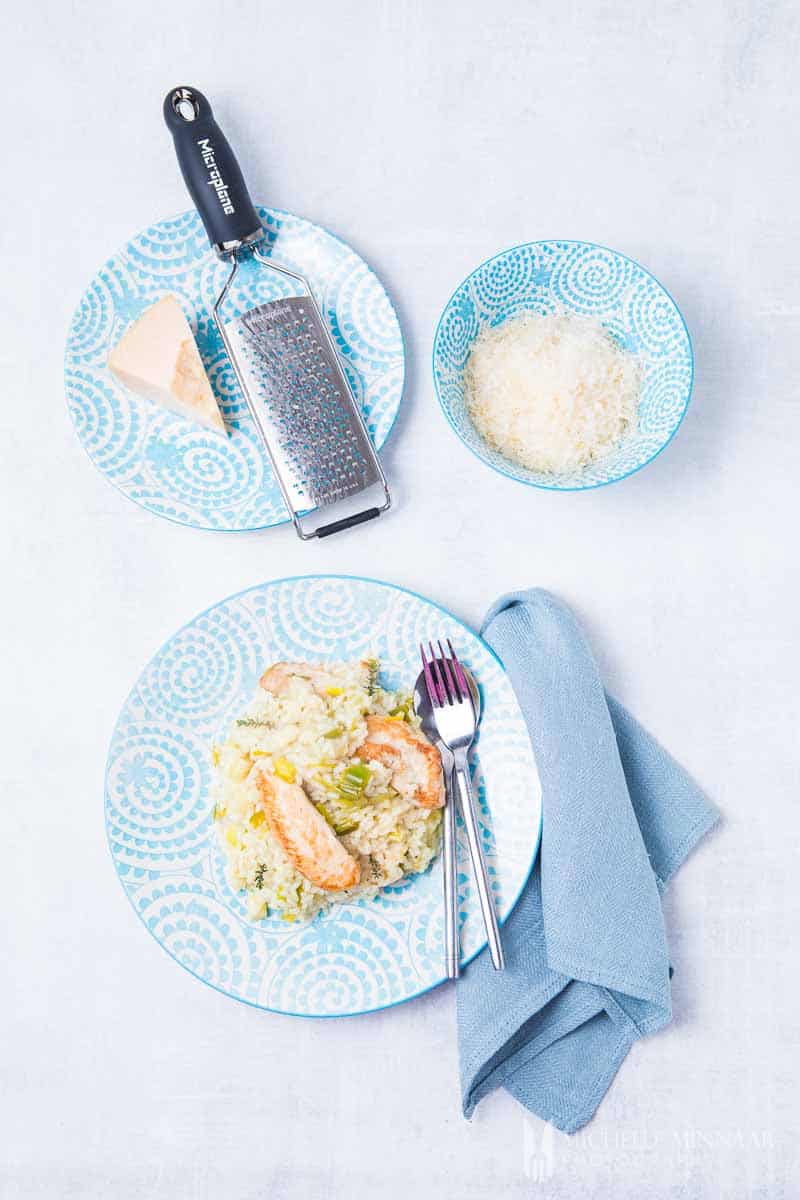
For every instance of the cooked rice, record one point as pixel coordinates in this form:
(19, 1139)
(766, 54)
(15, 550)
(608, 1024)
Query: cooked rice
(318, 735)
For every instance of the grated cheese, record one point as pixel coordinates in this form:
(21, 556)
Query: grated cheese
(553, 392)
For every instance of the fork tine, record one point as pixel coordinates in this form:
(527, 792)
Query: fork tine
(433, 693)
(452, 686)
(459, 673)
(436, 668)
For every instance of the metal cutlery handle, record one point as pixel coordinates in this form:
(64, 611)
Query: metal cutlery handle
(478, 862)
(450, 864)
(211, 172)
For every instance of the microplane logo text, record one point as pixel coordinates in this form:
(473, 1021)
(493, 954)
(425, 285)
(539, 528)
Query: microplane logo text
(214, 178)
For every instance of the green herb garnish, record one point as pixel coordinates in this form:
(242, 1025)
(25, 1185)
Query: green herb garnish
(373, 670)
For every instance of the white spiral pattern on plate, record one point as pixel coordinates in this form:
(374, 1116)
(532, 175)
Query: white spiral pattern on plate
(590, 280)
(190, 922)
(93, 323)
(115, 444)
(158, 802)
(353, 962)
(165, 463)
(168, 249)
(364, 328)
(305, 622)
(198, 469)
(216, 657)
(157, 787)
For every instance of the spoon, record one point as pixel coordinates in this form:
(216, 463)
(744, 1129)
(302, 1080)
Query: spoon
(424, 711)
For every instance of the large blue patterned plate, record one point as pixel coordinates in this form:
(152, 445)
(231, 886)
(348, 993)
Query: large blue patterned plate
(169, 465)
(591, 280)
(354, 958)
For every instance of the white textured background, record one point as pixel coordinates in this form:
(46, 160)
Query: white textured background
(429, 136)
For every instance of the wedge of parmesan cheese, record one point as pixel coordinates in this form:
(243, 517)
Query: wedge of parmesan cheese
(158, 358)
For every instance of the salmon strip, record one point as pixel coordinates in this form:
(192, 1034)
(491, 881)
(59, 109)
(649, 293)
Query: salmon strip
(304, 835)
(415, 764)
(276, 679)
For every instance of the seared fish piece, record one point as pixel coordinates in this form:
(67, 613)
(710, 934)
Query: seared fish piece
(304, 835)
(277, 678)
(415, 764)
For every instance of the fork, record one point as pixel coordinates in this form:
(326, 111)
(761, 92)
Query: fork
(454, 716)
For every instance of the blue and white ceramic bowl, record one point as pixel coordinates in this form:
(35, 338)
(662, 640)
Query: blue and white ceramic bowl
(170, 465)
(355, 957)
(591, 280)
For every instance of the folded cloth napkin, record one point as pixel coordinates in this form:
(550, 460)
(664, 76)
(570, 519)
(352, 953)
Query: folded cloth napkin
(587, 968)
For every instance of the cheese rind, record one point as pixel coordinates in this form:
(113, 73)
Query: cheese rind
(158, 358)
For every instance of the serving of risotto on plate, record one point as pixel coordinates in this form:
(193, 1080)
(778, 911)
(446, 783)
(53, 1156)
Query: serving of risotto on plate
(326, 789)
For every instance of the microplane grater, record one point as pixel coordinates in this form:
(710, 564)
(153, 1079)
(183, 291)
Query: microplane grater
(282, 352)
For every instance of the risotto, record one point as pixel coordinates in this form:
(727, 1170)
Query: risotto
(325, 766)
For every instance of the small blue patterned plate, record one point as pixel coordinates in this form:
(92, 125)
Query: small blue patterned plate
(591, 280)
(356, 957)
(166, 463)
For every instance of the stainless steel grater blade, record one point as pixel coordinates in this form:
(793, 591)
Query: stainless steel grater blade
(301, 401)
(282, 353)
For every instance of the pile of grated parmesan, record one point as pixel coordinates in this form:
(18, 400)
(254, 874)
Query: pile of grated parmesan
(551, 393)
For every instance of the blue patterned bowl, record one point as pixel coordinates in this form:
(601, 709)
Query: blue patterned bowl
(356, 957)
(590, 280)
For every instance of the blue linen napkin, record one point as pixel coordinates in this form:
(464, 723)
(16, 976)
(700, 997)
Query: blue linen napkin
(587, 963)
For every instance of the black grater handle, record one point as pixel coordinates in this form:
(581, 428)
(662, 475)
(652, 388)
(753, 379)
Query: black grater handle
(347, 523)
(211, 172)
